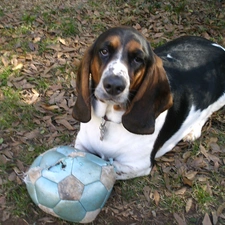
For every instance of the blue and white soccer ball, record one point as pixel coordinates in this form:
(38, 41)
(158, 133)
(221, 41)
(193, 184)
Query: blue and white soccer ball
(70, 184)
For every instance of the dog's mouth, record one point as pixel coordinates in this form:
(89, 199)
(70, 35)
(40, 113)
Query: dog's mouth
(112, 100)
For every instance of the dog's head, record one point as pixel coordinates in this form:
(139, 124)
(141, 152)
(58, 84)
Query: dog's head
(126, 73)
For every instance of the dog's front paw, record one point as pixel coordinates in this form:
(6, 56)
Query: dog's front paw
(193, 135)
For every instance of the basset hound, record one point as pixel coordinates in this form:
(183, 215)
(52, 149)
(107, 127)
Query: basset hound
(136, 104)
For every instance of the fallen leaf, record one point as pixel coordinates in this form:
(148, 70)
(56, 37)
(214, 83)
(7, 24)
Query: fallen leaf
(179, 220)
(5, 61)
(198, 162)
(202, 178)
(57, 97)
(213, 158)
(56, 87)
(166, 159)
(62, 41)
(146, 191)
(187, 181)
(65, 123)
(181, 191)
(215, 148)
(154, 213)
(186, 155)
(158, 35)
(5, 215)
(220, 209)
(18, 66)
(214, 217)
(76, 62)
(222, 216)
(64, 105)
(49, 107)
(68, 49)
(167, 181)
(203, 151)
(188, 205)
(32, 46)
(55, 47)
(12, 176)
(190, 175)
(156, 197)
(32, 134)
(2, 200)
(208, 189)
(206, 220)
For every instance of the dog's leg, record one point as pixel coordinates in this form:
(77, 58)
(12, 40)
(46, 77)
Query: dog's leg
(195, 132)
(124, 172)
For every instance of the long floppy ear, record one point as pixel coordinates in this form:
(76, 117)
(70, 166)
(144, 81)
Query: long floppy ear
(82, 107)
(152, 98)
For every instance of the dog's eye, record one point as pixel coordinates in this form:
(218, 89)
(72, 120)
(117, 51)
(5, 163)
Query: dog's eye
(104, 52)
(138, 60)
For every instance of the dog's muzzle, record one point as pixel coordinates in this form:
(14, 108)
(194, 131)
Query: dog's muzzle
(114, 85)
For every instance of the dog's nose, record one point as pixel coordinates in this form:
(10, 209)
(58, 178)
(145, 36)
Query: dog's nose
(114, 85)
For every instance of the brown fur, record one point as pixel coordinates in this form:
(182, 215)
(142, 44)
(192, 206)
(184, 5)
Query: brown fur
(150, 84)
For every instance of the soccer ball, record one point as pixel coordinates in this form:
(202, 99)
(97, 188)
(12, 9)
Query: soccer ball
(70, 184)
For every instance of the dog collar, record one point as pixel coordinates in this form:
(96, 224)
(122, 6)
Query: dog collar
(103, 127)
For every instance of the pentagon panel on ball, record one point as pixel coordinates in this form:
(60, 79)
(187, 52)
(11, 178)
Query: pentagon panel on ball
(70, 184)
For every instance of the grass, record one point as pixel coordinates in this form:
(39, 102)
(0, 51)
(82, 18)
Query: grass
(4, 75)
(28, 18)
(18, 194)
(173, 203)
(131, 189)
(13, 110)
(202, 196)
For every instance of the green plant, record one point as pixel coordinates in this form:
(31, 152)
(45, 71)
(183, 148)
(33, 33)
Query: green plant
(19, 196)
(202, 196)
(173, 203)
(28, 18)
(132, 188)
(4, 75)
(69, 27)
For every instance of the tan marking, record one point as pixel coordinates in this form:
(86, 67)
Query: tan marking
(158, 61)
(96, 69)
(118, 108)
(138, 77)
(114, 41)
(133, 46)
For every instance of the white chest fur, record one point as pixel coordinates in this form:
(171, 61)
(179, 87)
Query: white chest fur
(129, 152)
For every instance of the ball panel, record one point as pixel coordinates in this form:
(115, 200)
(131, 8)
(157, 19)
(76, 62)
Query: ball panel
(90, 216)
(86, 171)
(96, 159)
(33, 174)
(59, 171)
(70, 210)
(47, 210)
(106, 198)
(108, 176)
(49, 158)
(65, 150)
(36, 162)
(47, 192)
(31, 191)
(70, 188)
(93, 196)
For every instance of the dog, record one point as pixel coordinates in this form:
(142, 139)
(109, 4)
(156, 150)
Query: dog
(136, 104)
